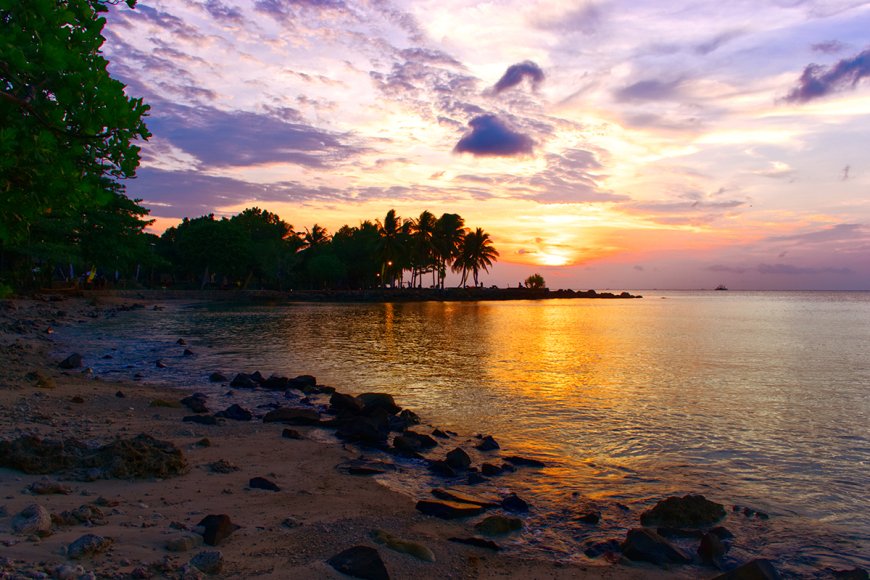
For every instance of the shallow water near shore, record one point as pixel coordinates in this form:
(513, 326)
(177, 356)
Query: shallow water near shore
(752, 399)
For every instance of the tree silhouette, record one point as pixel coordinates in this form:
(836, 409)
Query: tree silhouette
(446, 240)
(476, 253)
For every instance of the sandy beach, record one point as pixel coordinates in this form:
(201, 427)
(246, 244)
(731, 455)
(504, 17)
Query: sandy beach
(147, 527)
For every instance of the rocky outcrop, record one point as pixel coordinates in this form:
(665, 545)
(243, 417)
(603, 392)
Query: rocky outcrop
(642, 544)
(687, 511)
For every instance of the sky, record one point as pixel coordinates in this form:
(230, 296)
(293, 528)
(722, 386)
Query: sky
(631, 144)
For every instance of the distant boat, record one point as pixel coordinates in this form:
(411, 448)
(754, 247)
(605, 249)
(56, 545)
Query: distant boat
(721, 287)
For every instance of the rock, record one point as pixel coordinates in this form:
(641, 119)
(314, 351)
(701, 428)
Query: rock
(77, 399)
(243, 381)
(293, 416)
(263, 483)
(759, 569)
(32, 520)
(87, 546)
(201, 419)
(498, 525)
(524, 461)
(276, 383)
(291, 434)
(514, 503)
(236, 413)
(475, 478)
(642, 544)
(139, 458)
(160, 364)
(722, 532)
(181, 342)
(414, 549)
(711, 548)
(440, 467)
(409, 417)
(461, 497)
(48, 487)
(477, 542)
(187, 352)
(216, 528)
(490, 470)
(440, 434)
(360, 562)
(448, 510)
(217, 377)
(339, 402)
(68, 572)
(257, 377)
(302, 383)
(73, 361)
(488, 444)
(85, 514)
(208, 562)
(589, 518)
(222, 466)
(195, 402)
(365, 467)
(183, 543)
(458, 459)
(373, 401)
(686, 511)
(120, 395)
(372, 430)
(204, 442)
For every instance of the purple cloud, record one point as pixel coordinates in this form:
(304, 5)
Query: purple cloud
(515, 74)
(828, 47)
(818, 81)
(651, 90)
(490, 137)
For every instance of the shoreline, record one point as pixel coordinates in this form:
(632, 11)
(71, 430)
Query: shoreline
(319, 510)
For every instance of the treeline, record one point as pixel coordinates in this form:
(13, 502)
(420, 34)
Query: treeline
(257, 249)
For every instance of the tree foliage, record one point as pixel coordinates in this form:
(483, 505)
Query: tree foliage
(535, 281)
(67, 135)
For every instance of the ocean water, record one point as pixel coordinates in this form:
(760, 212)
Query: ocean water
(758, 400)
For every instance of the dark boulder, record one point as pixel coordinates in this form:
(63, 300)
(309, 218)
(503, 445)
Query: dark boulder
(514, 503)
(88, 546)
(374, 401)
(490, 470)
(138, 458)
(853, 574)
(196, 403)
(440, 467)
(257, 377)
(419, 440)
(243, 381)
(458, 459)
(276, 383)
(589, 518)
(645, 545)
(304, 383)
(759, 569)
(293, 416)
(216, 528)
(711, 549)
(360, 562)
(291, 434)
(440, 434)
(448, 510)
(371, 430)
(217, 378)
(263, 483)
(686, 511)
(487, 444)
(188, 352)
(409, 417)
(596, 549)
(339, 402)
(236, 413)
(73, 361)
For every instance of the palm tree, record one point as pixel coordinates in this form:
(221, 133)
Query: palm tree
(476, 253)
(315, 237)
(391, 246)
(422, 252)
(448, 234)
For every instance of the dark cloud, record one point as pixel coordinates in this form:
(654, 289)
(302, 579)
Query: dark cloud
(490, 137)
(818, 81)
(163, 20)
(649, 90)
(234, 138)
(828, 47)
(220, 11)
(717, 41)
(430, 56)
(515, 74)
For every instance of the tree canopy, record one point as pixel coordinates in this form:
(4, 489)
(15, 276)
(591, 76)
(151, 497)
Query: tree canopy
(68, 135)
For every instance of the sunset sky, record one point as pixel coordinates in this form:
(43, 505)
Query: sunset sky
(613, 144)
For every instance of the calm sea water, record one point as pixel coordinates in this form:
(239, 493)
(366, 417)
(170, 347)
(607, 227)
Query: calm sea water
(753, 399)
